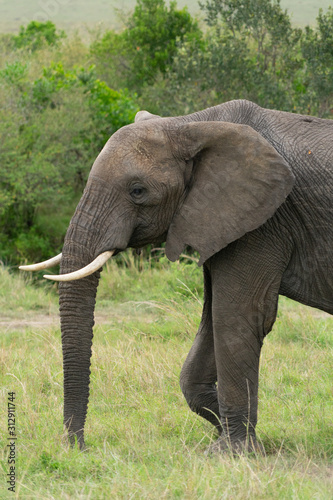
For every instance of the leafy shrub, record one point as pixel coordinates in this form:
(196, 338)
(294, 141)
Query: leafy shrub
(317, 49)
(52, 128)
(37, 34)
(14, 73)
(147, 45)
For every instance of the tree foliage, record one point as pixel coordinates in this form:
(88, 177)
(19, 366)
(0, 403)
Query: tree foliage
(52, 128)
(148, 44)
(152, 34)
(60, 99)
(36, 34)
(317, 50)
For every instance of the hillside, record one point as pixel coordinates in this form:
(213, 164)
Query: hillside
(70, 14)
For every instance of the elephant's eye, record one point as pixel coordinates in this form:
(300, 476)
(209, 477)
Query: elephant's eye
(137, 192)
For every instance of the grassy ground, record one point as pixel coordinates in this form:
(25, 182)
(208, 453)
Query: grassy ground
(143, 440)
(71, 14)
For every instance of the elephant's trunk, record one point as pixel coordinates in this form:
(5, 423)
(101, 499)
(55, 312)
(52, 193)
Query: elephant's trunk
(77, 303)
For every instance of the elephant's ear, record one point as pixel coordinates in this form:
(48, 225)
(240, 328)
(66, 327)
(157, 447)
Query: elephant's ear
(144, 115)
(238, 181)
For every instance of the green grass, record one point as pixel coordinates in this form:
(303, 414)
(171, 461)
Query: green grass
(76, 13)
(143, 440)
(19, 299)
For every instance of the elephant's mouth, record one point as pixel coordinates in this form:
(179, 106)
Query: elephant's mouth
(137, 241)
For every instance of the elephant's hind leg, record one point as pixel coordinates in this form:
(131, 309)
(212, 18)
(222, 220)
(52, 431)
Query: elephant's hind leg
(198, 376)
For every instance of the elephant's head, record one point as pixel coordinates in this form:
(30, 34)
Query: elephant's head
(203, 184)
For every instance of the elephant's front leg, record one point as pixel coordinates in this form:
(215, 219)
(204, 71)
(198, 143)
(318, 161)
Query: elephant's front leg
(198, 376)
(245, 283)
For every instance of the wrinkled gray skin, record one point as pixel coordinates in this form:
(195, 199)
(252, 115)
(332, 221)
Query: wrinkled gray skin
(254, 199)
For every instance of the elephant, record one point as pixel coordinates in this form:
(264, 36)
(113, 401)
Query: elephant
(251, 190)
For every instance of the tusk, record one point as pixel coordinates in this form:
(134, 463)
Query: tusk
(85, 271)
(43, 265)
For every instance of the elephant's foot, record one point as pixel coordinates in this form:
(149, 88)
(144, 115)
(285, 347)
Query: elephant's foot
(236, 447)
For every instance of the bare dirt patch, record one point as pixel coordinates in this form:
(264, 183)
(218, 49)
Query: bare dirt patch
(118, 313)
(43, 321)
(40, 321)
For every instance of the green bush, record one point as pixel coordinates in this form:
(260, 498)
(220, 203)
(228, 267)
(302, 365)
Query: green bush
(37, 34)
(52, 128)
(147, 45)
(317, 49)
